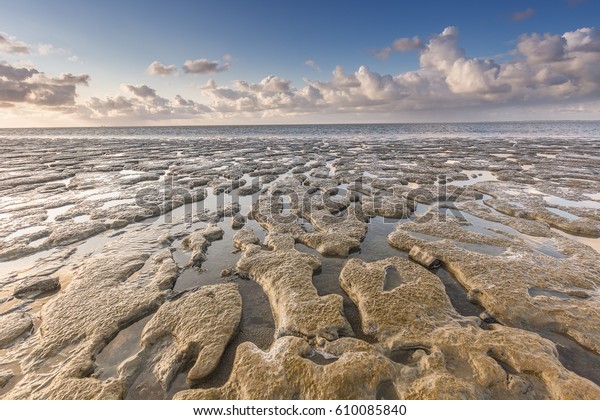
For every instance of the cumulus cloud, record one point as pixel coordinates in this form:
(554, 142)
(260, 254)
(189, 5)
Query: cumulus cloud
(524, 14)
(142, 91)
(400, 45)
(204, 66)
(29, 86)
(270, 94)
(156, 68)
(144, 103)
(546, 48)
(462, 75)
(10, 45)
(547, 69)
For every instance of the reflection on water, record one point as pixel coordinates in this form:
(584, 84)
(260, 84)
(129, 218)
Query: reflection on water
(562, 213)
(25, 231)
(257, 321)
(558, 201)
(57, 211)
(125, 344)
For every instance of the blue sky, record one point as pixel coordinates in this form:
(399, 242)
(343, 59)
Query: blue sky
(487, 67)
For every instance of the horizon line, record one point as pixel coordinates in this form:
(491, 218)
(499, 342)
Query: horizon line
(304, 124)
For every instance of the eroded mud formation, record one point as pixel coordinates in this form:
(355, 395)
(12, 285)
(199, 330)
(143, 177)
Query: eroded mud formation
(300, 268)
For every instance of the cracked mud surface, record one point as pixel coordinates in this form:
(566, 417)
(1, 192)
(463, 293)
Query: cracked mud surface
(310, 262)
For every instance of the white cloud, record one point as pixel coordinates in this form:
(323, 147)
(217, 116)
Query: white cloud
(204, 66)
(142, 91)
(145, 103)
(523, 15)
(10, 45)
(156, 68)
(539, 49)
(400, 45)
(548, 69)
(30, 86)
(313, 64)
(73, 58)
(47, 49)
(546, 72)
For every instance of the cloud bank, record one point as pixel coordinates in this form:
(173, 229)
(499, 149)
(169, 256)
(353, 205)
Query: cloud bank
(559, 71)
(546, 69)
(145, 102)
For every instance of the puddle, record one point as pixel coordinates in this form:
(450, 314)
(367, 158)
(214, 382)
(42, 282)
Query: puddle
(552, 199)
(7, 267)
(25, 231)
(474, 177)
(94, 245)
(38, 242)
(481, 248)
(322, 359)
(483, 230)
(386, 391)
(562, 213)
(457, 294)
(257, 326)
(533, 292)
(534, 191)
(575, 357)
(375, 245)
(125, 344)
(113, 203)
(544, 245)
(102, 196)
(306, 225)
(593, 243)
(219, 256)
(57, 211)
(131, 172)
(424, 236)
(392, 279)
(326, 281)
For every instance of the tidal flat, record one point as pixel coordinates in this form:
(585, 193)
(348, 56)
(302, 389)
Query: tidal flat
(446, 261)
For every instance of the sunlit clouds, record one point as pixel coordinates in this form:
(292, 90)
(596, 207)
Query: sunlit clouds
(541, 70)
(204, 66)
(10, 45)
(156, 68)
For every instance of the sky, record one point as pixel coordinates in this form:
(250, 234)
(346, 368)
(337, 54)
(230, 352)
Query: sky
(78, 63)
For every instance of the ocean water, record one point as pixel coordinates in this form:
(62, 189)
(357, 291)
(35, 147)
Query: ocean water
(335, 132)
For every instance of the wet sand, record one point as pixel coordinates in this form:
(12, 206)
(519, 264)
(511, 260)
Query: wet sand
(513, 311)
